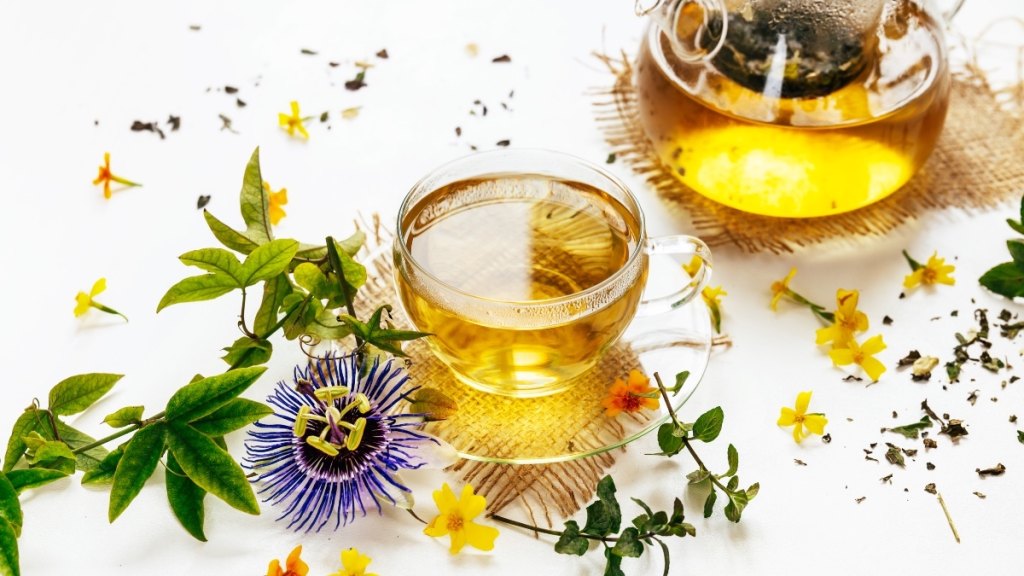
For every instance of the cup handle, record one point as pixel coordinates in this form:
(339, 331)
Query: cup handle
(680, 246)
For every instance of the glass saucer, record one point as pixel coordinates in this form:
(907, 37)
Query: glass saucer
(573, 424)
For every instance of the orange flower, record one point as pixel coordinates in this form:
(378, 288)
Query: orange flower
(106, 177)
(294, 566)
(634, 395)
(275, 200)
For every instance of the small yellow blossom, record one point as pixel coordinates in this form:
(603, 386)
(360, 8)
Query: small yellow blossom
(780, 288)
(85, 301)
(631, 396)
(848, 321)
(861, 355)
(353, 564)
(936, 271)
(294, 566)
(455, 519)
(106, 177)
(798, 418)
(275, 201)
(293, 122)
(712, 296)
(350, 113)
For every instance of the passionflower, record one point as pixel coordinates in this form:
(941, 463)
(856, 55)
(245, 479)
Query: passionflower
(338, 442)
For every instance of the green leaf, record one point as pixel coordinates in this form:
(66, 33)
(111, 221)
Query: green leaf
(186, 499)
(1006, 279)
(124, 417)
(629, 544)
(255, 202)
(570, 542)
(734, 461)
(1016, 248)
(29, 421)
(198, 288)
(228, 236)
(697, 476)
(310, 277)
(103, 473)
(55, 456)
(141, 455)
(326, 326)
(604, 516)
(75, 394)
(709, 503)
(202, 397)
(1020, 436)
(614, 565)
(1017, 226)
(669, 443)
(267, 261)
(680, 382)
(28, 478)
(211, 467)
(76, 439)
(709, 425)
(752, 490)
(246, 352)
(8, 550)
(912, 430)
(10, 507)
(353, 243)
(914, 264)
(355, 273)
(274, 292)
(737, 502)
(433, 404)
(215, 260)
(237, 413)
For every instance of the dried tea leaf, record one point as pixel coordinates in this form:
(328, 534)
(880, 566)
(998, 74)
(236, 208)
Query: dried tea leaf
(383, 54)
(433, 404)
(350, 113)
(202, 201)
(996, 470)
(895, 456)
(502, 59)
(909, 359)
(930, 488)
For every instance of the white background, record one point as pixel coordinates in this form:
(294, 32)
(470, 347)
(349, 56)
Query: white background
(66, 65)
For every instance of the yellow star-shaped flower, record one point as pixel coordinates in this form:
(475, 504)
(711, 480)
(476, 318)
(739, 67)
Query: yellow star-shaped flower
(798, 418)
(353, 564)
(293, 566)
(293, 122)
(862, 355)
(848, 321)
(455, 519)
(780, 288)
(275, 201)
(935, 271)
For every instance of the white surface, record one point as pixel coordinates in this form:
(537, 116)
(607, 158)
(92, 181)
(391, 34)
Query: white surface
(67, 64)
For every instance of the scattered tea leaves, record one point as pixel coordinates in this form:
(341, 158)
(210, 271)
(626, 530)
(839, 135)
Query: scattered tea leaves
(308, 52)
(886, 320)
(174, 122)
(610, 159)
(350, 113)
(357, 82)
(895, 456)
(922, 368)
(383, 54)
(930, 488)
(909, 359)
(203, 200)
(1020, 436)
(861, 499)
(911, 430)
(799, 462)
(996, 470)
(502, 143)
(979, 494)
(502, 59)
(140, 126)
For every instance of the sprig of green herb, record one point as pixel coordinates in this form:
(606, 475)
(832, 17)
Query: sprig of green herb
(1007, 279)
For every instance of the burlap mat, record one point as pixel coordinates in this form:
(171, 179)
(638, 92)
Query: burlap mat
(485, 423)
(977, 164)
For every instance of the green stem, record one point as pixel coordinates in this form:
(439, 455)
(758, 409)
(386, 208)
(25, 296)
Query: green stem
(533, 528)
(686, 440)
(123, 181)
(335, 260)
(241, 320)
(107, 309)
(118, 434)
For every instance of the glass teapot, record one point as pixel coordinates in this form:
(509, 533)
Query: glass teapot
(793, 108)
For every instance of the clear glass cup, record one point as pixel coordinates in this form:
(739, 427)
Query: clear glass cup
(534, 345)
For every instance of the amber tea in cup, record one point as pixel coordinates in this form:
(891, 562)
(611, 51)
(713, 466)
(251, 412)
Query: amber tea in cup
(524, 266)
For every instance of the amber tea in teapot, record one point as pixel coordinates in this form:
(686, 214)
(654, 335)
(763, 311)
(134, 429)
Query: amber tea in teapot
(793, 108)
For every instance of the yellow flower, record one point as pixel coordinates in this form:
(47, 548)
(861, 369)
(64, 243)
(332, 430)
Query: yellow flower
(848, 321)
(353, 564)
(456, 519)
(293, 122)
(294, 566)
(634, 395)
(780, 288)
(106, 177)
(710, 295)
(276, 200)
(85, 301)
(936, 271)
(862, 355)
(798, 418)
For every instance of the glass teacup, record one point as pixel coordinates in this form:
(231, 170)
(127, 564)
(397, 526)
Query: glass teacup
(526, 266)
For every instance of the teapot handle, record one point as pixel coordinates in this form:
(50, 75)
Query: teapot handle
(685, 21)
